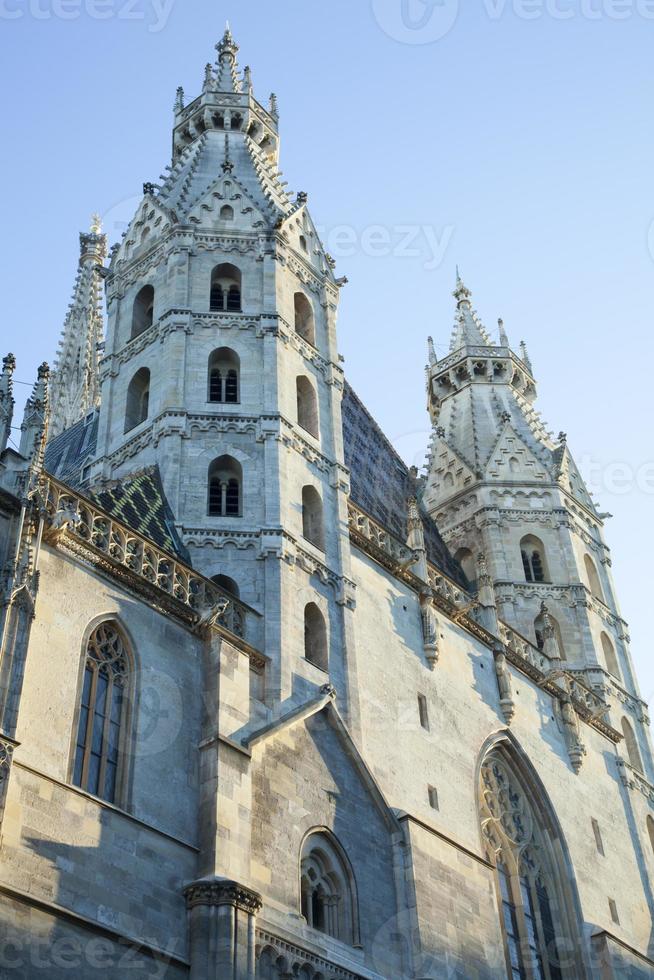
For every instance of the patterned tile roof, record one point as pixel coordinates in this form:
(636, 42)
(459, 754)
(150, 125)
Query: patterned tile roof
(138, 501)
(382, 483)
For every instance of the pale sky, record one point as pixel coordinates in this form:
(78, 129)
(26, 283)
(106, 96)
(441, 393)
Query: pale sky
(512, 137)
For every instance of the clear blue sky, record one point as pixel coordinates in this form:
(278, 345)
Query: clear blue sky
(524, 144)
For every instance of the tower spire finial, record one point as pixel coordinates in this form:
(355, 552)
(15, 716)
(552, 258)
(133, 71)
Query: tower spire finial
(6, 399)
(461, 294)
(227, 49)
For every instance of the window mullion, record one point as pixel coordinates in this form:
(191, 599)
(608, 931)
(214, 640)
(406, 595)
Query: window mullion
(104, 749)
(89, 724)
(521, 925)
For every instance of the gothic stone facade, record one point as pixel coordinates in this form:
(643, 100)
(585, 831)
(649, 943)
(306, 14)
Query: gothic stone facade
(271, 704)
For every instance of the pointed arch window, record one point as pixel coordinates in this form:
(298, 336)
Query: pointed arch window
(313, 529)
(225, 289)
(531, 885)
(225, 483)
(466, 560)
(328, 888)
(631, 746)
(593, 578)
(103, 715)
(228, 584)
(305, 321)
(143, 311)
(138, 399)
(533, 559)
(315, 637)
(610, 657)
(224, 377)
(307, 406)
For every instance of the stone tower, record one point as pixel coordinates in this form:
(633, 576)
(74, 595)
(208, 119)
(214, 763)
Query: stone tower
(500, 485)
(221, 368)
(75, 386)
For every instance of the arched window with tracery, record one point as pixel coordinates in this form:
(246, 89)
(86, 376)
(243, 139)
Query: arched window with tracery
(225, 289)
(225, 487)
(538, 925)
(143, 311)
(593, 578)
(328, 889)
(224, 377)
(305, 321)
(100, 749)
(315, 637)
(138, 399)
(631, 746)
(533, 559)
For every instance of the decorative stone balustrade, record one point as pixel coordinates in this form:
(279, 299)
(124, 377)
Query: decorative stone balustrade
(71, 516)
(293, 961)
(388, 549)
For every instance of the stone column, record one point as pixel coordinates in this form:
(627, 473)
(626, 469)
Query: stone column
(222, 921)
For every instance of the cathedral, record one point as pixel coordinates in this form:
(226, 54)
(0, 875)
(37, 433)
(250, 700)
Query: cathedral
(273, 704)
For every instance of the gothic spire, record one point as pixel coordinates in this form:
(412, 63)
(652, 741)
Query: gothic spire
(76, 382)
(34, 430)
(227, 66)
(6, 399)
(468, 331)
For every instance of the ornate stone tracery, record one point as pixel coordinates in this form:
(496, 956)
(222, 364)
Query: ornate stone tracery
(538, 925)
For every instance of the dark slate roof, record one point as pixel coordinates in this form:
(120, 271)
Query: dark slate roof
(382, 483)
(67, 454)
(138, 500)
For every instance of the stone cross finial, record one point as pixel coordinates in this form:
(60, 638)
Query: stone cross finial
(461, 294)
